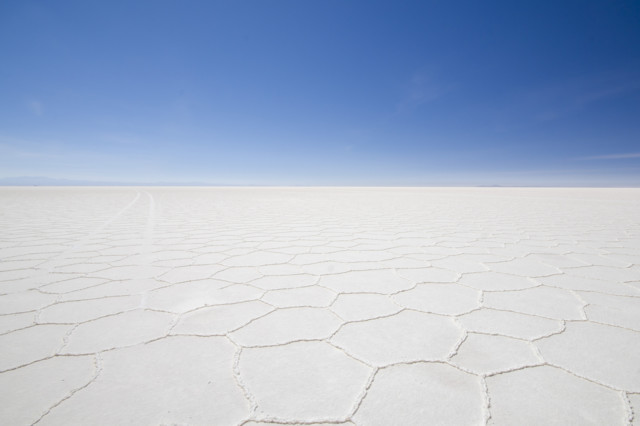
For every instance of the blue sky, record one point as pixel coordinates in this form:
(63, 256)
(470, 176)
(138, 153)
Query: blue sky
(322, 92)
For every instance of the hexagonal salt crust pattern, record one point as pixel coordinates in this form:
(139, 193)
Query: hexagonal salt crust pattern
(365, 306)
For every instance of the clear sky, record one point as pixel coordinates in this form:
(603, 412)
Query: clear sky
(322, 92)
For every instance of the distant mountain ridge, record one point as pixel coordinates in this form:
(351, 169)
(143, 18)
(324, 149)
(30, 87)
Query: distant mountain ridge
(47, 181)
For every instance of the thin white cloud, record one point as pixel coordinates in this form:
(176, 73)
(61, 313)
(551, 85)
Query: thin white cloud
(121, 139)
(36, 107)
(612, 156)
(420, 90)
(569, 97)
(608, 92)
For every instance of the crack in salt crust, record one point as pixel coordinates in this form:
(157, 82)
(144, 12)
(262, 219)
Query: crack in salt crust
(226, 266)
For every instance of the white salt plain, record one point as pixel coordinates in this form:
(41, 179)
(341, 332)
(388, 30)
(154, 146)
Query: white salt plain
(367, 306)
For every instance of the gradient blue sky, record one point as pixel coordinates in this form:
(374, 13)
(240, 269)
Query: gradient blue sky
(322, 92)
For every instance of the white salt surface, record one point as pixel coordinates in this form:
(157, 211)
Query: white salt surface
(367, 306)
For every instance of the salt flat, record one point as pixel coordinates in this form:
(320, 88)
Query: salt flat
(367, 306)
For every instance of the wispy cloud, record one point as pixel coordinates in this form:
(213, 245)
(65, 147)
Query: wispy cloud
(584, 100)
(15, 149)
(421, 89)
(609, 92)
(121, 139)
(611, 156)
(36, 107)
(563, 98)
